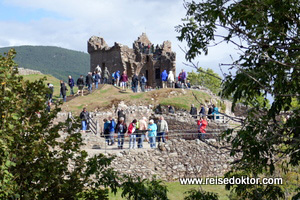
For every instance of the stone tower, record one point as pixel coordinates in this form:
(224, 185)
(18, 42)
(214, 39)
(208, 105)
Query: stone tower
(144, 58)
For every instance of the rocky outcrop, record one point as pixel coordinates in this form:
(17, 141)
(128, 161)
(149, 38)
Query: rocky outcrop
(176, 159)
(23, 71)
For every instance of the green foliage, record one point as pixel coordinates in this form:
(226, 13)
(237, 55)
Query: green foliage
(34, 163)
(201, 195)
(266, 34)
(143, 189)
(56, 61)
(203, 77)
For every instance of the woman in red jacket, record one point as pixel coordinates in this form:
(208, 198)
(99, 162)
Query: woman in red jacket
(202, 123)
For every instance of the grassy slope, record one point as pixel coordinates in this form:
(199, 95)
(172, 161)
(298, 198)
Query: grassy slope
(50, 79)
(109, 95)
(177, 191)
(58, 62)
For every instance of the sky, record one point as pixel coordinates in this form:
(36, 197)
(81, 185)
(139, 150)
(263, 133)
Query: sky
(70, 23)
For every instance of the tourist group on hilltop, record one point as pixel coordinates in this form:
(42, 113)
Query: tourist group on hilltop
(118, 79)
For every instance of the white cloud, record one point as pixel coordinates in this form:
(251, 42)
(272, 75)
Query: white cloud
(115, 20)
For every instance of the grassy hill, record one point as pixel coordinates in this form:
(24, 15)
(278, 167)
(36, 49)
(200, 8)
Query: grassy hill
(109, 95)
(58, 62)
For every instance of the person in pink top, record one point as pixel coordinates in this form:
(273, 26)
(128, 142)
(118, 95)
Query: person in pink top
(124, 80)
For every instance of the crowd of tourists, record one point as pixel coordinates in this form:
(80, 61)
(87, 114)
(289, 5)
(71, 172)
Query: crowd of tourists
(118, 79)
(138, 131)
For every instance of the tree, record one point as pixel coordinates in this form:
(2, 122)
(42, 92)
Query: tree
(266, 35)
(34, 163)
(204, 78)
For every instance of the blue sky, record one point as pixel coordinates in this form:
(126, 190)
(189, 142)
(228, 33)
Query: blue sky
(70, 23)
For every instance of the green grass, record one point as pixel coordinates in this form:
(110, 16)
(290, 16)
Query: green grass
(137, 96)
(52, 80)
(177, 191)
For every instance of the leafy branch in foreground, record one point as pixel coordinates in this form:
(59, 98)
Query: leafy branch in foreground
(266, 35)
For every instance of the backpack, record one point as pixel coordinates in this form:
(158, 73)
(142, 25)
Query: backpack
(143, 80)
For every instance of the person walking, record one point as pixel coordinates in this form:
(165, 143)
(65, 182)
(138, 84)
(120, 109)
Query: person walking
(80, 85)
(84, 116)
(171, 79)
(164, 78)
(143, 82)
(152, 128)
(71, 85)
(162, 129)
(63, 90)
(193, 111)
(135, 83)
(142, 126)
(112, 125)
(121, 129)
(132, 134)
(124, 80)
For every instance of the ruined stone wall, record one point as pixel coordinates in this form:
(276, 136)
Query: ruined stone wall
(175, 159)
(120, 57)
(23, 71)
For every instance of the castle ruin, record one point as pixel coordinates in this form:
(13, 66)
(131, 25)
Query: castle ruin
(144, 58)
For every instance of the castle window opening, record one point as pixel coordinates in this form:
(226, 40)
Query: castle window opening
(157, 73)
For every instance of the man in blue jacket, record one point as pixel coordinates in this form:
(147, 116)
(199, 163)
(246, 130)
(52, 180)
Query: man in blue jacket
(112, 125)
(164, 78)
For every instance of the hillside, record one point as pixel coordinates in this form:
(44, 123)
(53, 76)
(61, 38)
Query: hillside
(110, 96)
(58, 62)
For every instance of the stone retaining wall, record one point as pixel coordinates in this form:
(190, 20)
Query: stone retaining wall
(176, 159)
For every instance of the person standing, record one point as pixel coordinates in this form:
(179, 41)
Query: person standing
(202, 111)
(164, 78)
(143, 82)
(121, 129)
(113, 79)
(63, 90)
(98, 69)
(183, 79)
(121, 114)
(71, 85)
(124, 80)
(215, 112)
(210, 111)
(135, 82)
(202, 123)
(193, 111)
(89, 81)
(142, 126)
(117, 78)
(152, 128)
(132, 134)
(80, 85)
(162, 129)
(112, 125)
(84, 116)
(106, 130)
(106, 75)
(50, 95)
(97, 79)
(171, 79)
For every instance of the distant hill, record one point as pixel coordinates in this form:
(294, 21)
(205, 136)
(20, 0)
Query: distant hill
(58, 62)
